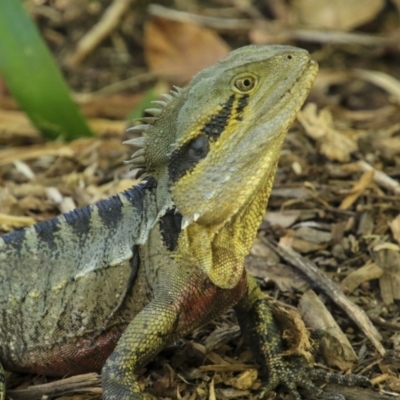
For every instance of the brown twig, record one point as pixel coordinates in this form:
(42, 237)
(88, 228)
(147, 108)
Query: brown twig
(329, 287)
(275, 30)
(88, 383)
(380, 79)
(380, 177)
(395, 326)
(99, 32)
(117, 87)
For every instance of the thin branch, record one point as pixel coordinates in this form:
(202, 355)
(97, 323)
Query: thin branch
(330, 288)
(87, 383)
(109, 21)
(275, 30)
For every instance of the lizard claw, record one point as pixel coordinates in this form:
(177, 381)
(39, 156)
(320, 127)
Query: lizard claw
(293, 374)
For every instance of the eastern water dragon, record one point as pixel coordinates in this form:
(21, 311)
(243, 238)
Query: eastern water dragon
(110, 285)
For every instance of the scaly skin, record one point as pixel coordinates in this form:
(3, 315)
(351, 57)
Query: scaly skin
(166, 258)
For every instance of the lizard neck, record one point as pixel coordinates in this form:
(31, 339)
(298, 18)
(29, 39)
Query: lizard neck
(219, 250)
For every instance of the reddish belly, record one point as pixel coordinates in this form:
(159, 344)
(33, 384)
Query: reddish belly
(203, 301)
(81, 356)
(199, 303)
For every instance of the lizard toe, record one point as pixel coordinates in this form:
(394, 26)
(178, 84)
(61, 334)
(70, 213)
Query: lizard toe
(294, 375)
(284, 374)
(345, 380)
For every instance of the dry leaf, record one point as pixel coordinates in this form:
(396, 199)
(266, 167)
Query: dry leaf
(244, 380)
(284, 276)
(334, 144)
(10, 222)
(294, 331)
(17, 124)
(389, 147)
(357, 190)
(259, 249)
(395, 227)
(380, 177)
(283, 218)
(338, 14)
(335, 346)
(394, 383)
(232, 393)
(221, 336)
(388, 258)
(313, 235)
(306, 239)
(386, 246)
(179, 50)
(366, 273)
(109, 102)
(382, 80)
(14, 123)
(211, 395)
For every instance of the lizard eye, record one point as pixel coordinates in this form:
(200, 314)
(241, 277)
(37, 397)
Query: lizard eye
(244, 83)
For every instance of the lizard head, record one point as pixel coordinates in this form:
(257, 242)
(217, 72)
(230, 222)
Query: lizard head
(217, 142)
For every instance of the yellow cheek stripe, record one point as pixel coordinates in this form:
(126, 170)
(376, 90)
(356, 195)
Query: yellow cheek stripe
(223, 119)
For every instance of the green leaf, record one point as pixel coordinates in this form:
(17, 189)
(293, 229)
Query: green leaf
(33, 78)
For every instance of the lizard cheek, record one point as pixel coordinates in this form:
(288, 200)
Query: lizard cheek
(186, 157)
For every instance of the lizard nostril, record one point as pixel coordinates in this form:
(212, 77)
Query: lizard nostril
(289, 57)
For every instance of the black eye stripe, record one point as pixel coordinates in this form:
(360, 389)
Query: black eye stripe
(186, 157)
(218, 122)
(242, 103)
(199, 147)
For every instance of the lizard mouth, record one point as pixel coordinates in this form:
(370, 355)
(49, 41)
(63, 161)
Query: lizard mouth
(296, 93)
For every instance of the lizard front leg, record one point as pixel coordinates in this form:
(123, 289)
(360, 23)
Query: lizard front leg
(148, 333)
(262, 333)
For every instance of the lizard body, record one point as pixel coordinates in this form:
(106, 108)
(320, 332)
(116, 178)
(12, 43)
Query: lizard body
(137, 271)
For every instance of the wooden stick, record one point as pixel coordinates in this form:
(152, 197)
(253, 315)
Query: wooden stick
(320, 280)
(87, 383)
